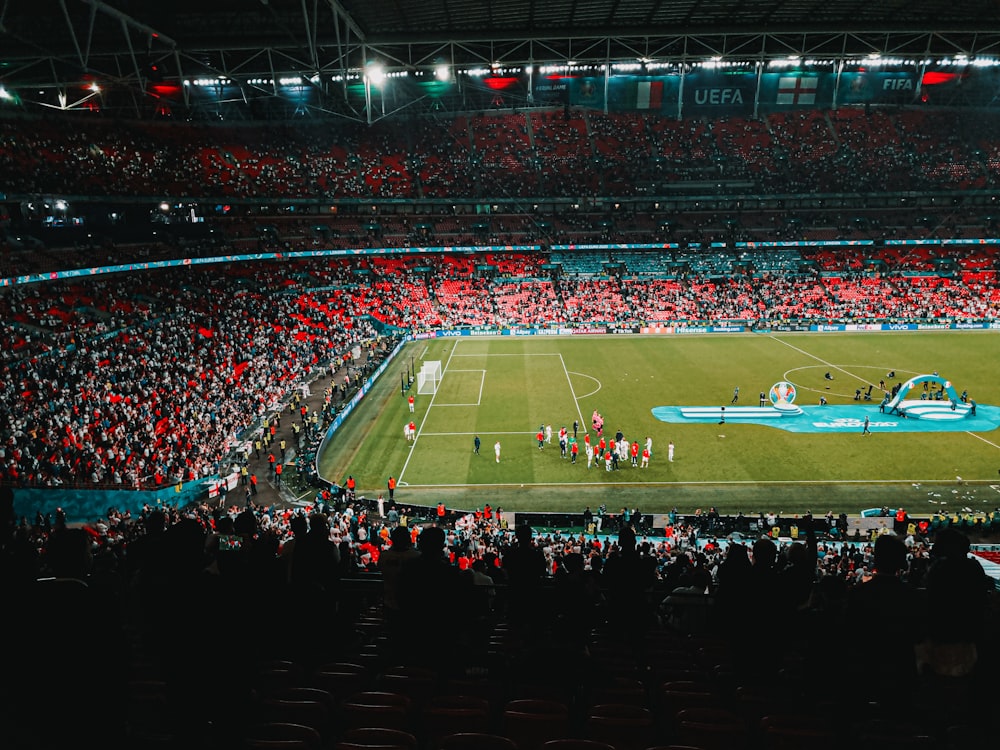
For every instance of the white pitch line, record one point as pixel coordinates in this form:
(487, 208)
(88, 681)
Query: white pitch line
(846, 372)
(596, 390)
(482, 382)
(569, 382)
(979, 437)
(822, 361)
(509, 354)
(481, 432)
(413, 444)
(707, 483)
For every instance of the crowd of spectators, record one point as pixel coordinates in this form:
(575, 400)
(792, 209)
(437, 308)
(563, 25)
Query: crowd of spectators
(151, 378)
(529, 153)
(680, 232)
(908, 617)
(144, 381)
(155, 378)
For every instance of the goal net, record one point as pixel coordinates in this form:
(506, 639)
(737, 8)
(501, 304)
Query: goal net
(429, 377)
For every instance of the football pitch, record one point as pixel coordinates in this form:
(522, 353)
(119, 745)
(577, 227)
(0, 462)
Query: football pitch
(503, 389)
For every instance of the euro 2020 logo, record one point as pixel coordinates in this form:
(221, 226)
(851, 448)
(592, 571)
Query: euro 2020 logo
(782, 393)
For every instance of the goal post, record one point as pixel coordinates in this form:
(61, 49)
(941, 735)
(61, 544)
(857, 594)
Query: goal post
(429, 377)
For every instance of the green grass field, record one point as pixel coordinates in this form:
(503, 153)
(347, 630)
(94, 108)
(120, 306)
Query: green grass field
(503, 388)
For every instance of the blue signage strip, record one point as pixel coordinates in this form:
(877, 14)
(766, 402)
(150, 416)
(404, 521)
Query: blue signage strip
(34, 278)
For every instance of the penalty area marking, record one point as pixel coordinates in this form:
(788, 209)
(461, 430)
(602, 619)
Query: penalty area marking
(590, 377)
(569, 382)
(482, 383)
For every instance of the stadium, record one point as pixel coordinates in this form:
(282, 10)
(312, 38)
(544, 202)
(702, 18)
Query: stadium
(708, 274)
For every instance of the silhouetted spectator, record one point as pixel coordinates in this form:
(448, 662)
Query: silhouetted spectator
(316, 561)
(628, 580)
(882, 625)
(524, 564)
(433, 594)
(734, 592)
(957, 594)
(391, 563)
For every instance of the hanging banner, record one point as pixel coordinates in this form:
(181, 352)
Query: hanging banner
(552, 89)
(643, 93)
(586, 91)
(876, 87)
(716, 93)
(789, 90)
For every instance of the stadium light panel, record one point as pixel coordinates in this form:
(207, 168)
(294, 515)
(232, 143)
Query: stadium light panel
(375, 74)
(787, 62)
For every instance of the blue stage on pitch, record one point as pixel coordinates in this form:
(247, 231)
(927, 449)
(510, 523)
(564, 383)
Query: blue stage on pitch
(829, 419)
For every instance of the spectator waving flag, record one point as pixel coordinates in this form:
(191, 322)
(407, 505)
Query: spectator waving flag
(797, 90)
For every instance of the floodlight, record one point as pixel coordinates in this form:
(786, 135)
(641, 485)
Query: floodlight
(376, 74)
(442, 72)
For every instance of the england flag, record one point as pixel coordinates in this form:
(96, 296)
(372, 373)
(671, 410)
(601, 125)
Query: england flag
(797, 90)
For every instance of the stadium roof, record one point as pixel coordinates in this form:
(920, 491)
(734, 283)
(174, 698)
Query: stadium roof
(129, 46)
